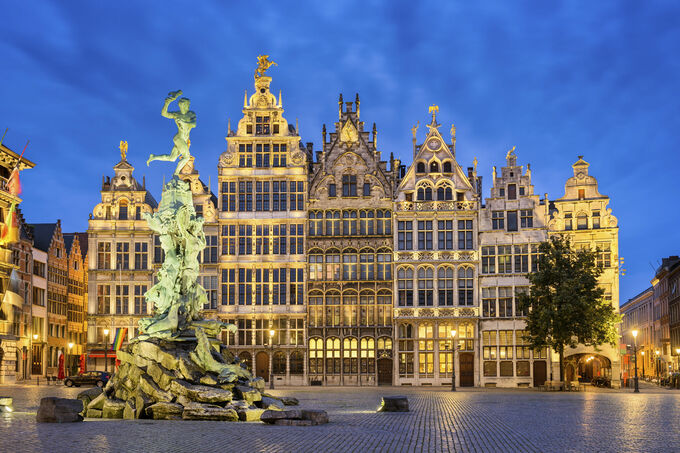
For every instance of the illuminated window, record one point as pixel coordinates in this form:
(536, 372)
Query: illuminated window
(465, 286)
(445, 286)
(350, 356)
(332, 355)
(405, 286)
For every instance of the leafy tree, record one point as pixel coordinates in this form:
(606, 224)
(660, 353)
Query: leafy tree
(565, 306)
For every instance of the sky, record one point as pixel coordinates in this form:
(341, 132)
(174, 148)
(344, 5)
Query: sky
(556, 79)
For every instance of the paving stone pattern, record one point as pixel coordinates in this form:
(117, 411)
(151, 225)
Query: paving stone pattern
(481, 420)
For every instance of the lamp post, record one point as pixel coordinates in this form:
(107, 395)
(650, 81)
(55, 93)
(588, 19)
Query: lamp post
(35, 340)
(106, 352)
(657, 352)
(69, 357)
(453, 360)
(271, 355)
(635, 333)
(643, 364)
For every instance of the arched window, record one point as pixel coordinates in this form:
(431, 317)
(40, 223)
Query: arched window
(582, 221)
(349, 223)
(384, 271)
(247, 360)
(384, 308)
(465, 286)
(384, 225)
(421, 194)
(350, 356)
(333, 309)
(315, 356)
(367, 355)
(332, 355)
(420, 167)
(315, 223)
(349, 309)
(425, 287)
(447, 166)
(434, 167)
(367, 309)
(406, 330)
(448, 194)
(440, 193)
(384, 347)
(428, 193)
(445, 286)
(316, 265)
(123, 210)
(279, 362)
(315, 302)
(405, 286)
(332, 223)
(366, 223)
(349, 265)
(296, 365)
(367, 265)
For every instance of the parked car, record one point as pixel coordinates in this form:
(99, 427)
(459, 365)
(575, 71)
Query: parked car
(98, 378)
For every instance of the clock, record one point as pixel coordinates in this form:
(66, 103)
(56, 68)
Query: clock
(433, 144)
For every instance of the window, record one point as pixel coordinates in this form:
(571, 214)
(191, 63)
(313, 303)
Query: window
(122, 302)
(297, 196)
(426, 350)
(445, 286)
(261, 125)
(315, 223)
(522, 349)
(332, 223)
(534, 257)
(297, 287)
(279, 362)
(262, 196)
(447, 167)
(349, 223)
(465, 288)
(210, 250)
(262, 155)
(332, 192)
(512, 192)
(245, 155)
(420, 167)
(489, 302)
(245, 196)
(367, 355)
(405, 286)
(245, 289)
(425, 234)
(512, 220)
(384, 309)
(141, 255)
(366, 223)
(522, 258)
(366, 266)
(261, 286)
(245, 337)
(228, 239)
(405, 235)
(505, 352)
(279, 196)
(505, 302)
(333, 267)
(465, 235)
(521, 191)
(279, 155)
(604, 254)
(498, 220)
(596, 219)
(332, 355)
(425, 287)
(504, 259)
(567, 221)
(315, 356)
(315, 267)
(229, 196)
(122, 211)
(245, 239)
(526, 218)
(140, 302)
(489, 259)
(367, 189)
(582, 221)
(158, 252)
(384, 223)
(501, 192)
(103, 299)
(489, 348)
(349, 186)
(123, 255)
(444, 193)
(445, 234)
(366, 310)
(279, 233)
(406, 350)
(581, 194)
(349, 266)
(333, 310)
(425, 193)
(279, 286)
(315, 305)
(297, 243)
(350, 356)
(103, 256)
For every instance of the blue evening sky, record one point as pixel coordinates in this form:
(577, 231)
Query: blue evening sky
(556, 79)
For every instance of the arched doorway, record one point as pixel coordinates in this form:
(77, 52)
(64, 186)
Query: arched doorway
(587, 366)
(262, 365)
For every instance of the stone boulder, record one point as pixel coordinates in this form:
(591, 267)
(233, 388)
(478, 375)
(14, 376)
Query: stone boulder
(148, 386)
(289, 401)
(394, 404)
(198, 411)
(257, 383)
(88, 395)
(130, 411)
(98, 402)
(59, 410)
(142, 401)
(160, 375)
(248, 394)
(153, 352)
(200, 393)
(165, 411)
(113, 409)
(269, 403)
(290, 417)
(93, 413)
(249, 415)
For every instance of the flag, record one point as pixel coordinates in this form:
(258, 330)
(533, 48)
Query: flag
(9, 231)
(121, 332)
(13, 183)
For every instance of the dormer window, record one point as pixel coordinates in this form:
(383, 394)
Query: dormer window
(434, 167)
(332, 193)
(261, 125)
(122, 210)
(420, 167)
(447, 167)
(349, 186)
(444, 194)
(425, 194)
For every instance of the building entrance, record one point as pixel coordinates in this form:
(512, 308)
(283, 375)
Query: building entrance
(540, 372)
(262, 365)
(384, 371)
(466, 365)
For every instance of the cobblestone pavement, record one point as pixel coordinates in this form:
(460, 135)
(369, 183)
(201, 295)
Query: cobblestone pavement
(479, 420)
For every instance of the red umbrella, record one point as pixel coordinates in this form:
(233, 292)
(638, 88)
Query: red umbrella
(83, 364)
(61, 375)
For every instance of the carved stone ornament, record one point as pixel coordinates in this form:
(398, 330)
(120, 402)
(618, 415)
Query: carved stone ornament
(426, 312)
(466, 312)
(226, 158)
(405, 312)
(297, 157)
(209, 212)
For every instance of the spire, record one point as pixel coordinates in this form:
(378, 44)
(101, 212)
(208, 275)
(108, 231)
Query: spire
(297, 130)
(375, 131)
(245, 99)
(228, 126)
(280, 104)
(356, 101)
(340, 106)
(453, 139)
(323, 132)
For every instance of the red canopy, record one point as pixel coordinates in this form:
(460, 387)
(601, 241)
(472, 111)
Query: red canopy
(61, 374)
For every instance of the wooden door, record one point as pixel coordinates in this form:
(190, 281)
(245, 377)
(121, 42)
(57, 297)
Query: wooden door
(540, 372)
(466, 367)
(262, 365)
(384, 371)
(36, 368)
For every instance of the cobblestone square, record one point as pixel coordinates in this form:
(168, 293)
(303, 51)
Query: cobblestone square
(482, 420)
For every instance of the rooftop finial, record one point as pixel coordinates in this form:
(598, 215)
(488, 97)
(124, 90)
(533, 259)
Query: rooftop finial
(123, 149)
(280, 104)
(263, 64)
(356, 101)
(245, 99)
(434, 109)
(340, 106)
(414, 129)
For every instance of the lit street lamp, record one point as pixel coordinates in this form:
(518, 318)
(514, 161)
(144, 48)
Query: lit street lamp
(271, 355)
(453, 361)
(106, 347)
(635, 333)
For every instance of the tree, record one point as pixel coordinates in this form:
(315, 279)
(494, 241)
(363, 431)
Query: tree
(565, 306)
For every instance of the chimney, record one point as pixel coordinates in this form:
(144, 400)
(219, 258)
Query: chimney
(310, 148)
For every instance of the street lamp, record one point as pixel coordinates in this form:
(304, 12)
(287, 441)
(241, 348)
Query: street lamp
(453, 360)
(635, 333)
(271, 368)
(69, 357)
(106, 347)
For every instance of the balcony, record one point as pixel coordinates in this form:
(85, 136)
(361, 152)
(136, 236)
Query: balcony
(436, 205)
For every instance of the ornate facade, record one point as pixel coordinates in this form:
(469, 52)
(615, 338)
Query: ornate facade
(436, 259)
(262, 213)
(350, 253)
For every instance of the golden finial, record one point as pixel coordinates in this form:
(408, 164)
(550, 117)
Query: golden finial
(123, 149)
(453, 131)
(263, 64)
(414, 129)
(434, 109)
(512, 150)
(475, 162)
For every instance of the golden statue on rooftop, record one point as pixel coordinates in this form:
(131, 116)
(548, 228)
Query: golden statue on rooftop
(123, 149)
(263, 64)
